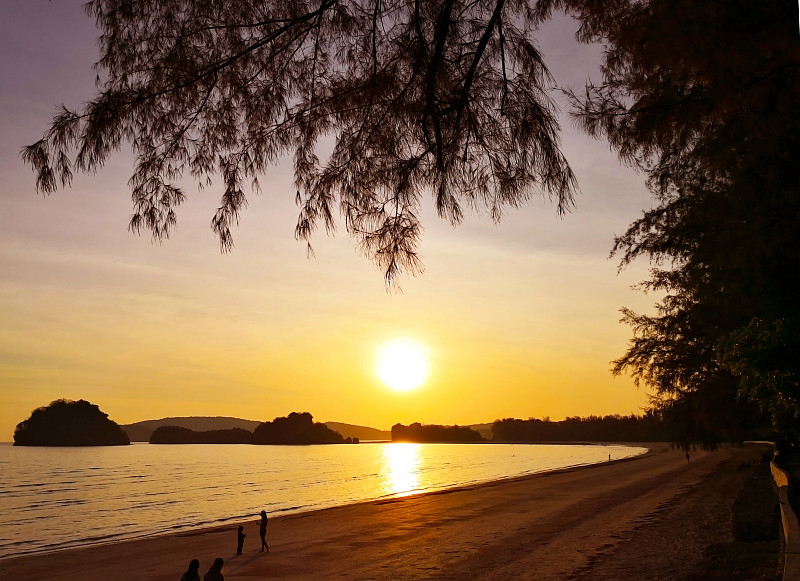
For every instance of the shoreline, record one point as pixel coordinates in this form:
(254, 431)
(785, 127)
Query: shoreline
(99, 532)
(593, 522)
(559, 524)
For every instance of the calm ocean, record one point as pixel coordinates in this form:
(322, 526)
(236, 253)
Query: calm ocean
(53, 498)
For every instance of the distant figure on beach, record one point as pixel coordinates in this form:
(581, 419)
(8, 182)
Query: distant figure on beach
(609, 457)
(192, 573)
(215, 572)
(240, 540)
(262, 531)
(687, 456)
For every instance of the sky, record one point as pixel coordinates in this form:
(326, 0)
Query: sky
(519, 319)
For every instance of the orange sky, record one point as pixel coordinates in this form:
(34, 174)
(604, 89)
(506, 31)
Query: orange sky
(521, 319)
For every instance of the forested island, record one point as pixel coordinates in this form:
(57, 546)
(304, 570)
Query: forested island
(294, 429)
(417, 432)
(180, 435)
(69, 423)
(143, 430)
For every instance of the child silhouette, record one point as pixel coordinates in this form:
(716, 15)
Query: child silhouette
(240, 540)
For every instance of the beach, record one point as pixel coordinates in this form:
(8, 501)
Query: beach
(656, 516)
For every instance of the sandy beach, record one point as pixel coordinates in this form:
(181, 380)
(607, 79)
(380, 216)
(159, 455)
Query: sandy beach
(652, 517)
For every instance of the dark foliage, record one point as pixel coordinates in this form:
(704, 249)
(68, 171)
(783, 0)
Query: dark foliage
(701, 97)
(443, 98)
(296, 428)
(69, 423)
(789, 460)
(417, 432)
(615, 428)
(179, 435)
(448, 99)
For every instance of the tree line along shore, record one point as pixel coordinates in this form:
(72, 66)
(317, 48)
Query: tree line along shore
(70, 423)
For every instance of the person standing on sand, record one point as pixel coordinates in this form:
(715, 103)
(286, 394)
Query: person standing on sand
(215, 572)
(240, 540)
(262, 531)
(192, 573)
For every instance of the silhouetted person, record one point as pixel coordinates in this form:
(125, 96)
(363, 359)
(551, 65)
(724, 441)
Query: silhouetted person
(192, 573)
(215, 572)
(687, 456)
(262, 531)
(240, 540)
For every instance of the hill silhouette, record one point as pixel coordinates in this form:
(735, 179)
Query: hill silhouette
(484, 430)
(296, 428)
(142, 431)
(361, 432)
(69, 423)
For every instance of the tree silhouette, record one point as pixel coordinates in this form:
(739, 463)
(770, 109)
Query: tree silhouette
(181, 435)
(647, 428)
(701, 97)
(296, 428)
(417, 432)
(447, 98)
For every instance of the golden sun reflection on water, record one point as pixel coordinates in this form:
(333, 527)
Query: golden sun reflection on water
(402, 463)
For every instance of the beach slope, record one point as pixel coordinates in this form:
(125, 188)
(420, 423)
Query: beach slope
(652, 517)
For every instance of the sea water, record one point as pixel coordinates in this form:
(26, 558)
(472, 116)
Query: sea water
(54, 498)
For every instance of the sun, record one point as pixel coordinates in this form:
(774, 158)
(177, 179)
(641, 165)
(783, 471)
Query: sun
(402, 364)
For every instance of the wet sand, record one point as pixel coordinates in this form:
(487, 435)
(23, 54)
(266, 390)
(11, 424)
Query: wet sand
(649, 517)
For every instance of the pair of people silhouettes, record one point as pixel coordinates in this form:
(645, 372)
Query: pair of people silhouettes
(214, 572)
(262, 532)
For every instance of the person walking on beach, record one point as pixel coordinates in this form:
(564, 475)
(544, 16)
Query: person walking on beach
(215, 572)
(192, 573)
(262, 531)
(240, 540)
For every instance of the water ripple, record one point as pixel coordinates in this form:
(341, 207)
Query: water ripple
(55, 498)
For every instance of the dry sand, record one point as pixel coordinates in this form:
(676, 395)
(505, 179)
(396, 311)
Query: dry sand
(651, 517)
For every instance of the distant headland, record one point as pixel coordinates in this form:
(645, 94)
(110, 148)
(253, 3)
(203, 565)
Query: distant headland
(221, 427)
(69, 423)
(294, 429)
(417, 432)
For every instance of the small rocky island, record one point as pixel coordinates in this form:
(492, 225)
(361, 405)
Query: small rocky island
(294, 429)
(69, 423)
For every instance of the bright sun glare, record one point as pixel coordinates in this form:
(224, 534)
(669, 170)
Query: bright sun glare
(402, 364)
